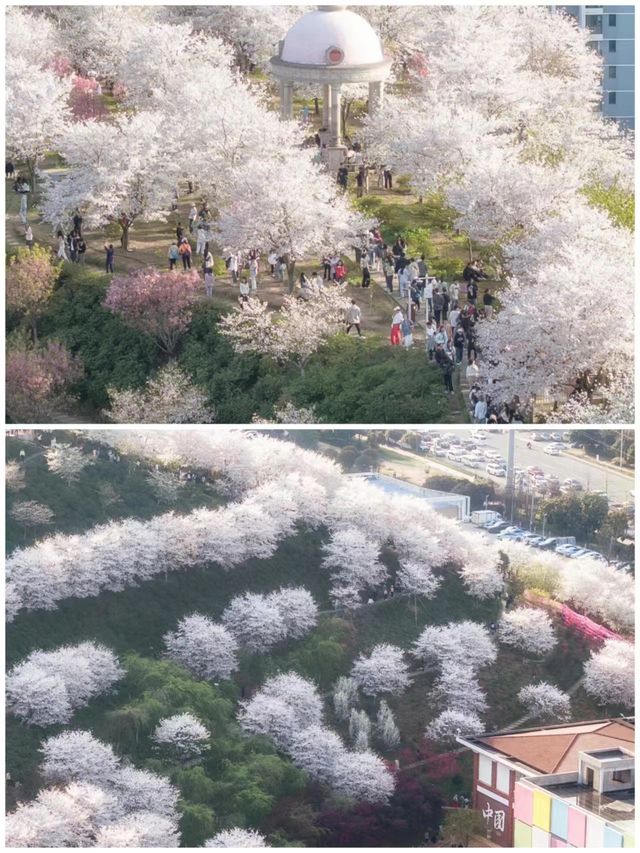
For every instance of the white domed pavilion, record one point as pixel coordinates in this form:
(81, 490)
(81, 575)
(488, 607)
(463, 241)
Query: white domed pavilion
(330, 46)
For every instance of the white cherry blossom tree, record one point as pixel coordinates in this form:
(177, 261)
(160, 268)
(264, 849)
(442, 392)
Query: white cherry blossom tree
(67, 461)
(609, 674)
(546, 701)
(206, 649)
(467, 643)
(384, 670)
(47, 687)
(529, 629)
(117, 172)
(287, 203)
(237, 837)
(182, 735)
(449, 724)
(292, 334)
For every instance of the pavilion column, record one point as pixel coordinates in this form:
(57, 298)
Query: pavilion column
(326, 105)
(286, 100)
(376, 96)
(335, 129)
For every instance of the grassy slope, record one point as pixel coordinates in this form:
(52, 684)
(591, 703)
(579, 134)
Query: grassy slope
(135, 619)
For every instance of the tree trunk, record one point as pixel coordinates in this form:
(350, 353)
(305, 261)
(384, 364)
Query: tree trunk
(291, 273)
(125, 225)
(34, 330)
(317, 108)
(470, 249)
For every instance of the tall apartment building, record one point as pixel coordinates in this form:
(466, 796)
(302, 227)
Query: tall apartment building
(612, 34)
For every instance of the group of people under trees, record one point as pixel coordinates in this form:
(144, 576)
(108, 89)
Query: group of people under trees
(72, 246)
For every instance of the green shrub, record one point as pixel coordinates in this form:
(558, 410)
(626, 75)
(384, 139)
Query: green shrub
(351, 381)
(112, 353)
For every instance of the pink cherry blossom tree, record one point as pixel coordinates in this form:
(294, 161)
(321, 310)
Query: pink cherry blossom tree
(37, 380)
(156, 303)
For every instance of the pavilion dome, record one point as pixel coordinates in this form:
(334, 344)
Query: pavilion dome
(332, 36)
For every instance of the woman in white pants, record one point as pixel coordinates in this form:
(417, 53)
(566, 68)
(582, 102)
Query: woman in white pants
(201, 240)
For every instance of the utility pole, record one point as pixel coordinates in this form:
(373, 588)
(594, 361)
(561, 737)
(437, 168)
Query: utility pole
(621, 445)
(533, 500)
(509, 489)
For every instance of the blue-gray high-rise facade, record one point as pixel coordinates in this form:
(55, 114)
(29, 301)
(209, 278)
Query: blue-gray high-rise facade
(612, 34)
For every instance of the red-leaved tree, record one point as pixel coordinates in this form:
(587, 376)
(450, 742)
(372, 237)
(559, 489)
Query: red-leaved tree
(85, 101)
(156, 303)
(37, 379)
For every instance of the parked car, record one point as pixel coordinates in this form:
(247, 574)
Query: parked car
(497, 526)
(535, 471)
(577, 553)
(532, 539)
(566, 436)
(566, 550)
(548, 544)
(440, 451)
(454, 456)
(556, 436)
(496, 470)
(470, 462)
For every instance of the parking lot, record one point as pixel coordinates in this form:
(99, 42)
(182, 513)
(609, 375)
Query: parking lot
(485, 455)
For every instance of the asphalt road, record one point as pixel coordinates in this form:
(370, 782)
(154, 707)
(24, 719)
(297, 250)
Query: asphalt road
(592, 476)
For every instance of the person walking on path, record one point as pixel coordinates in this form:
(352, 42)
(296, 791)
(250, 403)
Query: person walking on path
(366, 274)
(458, 343)
(81, 249)
(438, 305)
(201, 239)
(253, 274)
(185, 254)
(389, 269)
(407, 332)
(109, 257)
(431, 330)
(193, 215)
(62, 247)
(28, 237)
(396, 326)
(445, 363)
(487, 301)
(77, 222)
(472, 372)
(480, 410)
(173, 255)
(353, 318)
(207, 268)
(232, 266)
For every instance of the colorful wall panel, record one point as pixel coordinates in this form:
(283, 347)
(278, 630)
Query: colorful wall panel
(612, 838)
(541, 810)
(560, 819)
(523, 804)
(521, 834)
(577, 834)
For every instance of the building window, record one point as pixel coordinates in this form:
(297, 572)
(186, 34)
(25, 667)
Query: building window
(502, 777)
(612, 20)
(612, 46)
(613, 72)
(612, 97)
(594, 24)
(623, 776)
(485, 770)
